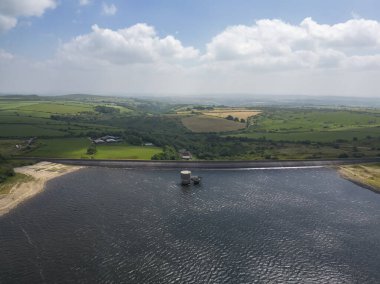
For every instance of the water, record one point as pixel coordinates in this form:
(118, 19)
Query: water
(116, 225)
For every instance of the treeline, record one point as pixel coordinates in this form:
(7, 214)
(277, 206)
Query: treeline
(230, 117)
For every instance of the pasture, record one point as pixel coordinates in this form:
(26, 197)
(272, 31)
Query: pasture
(23, 119)
(125, 151)
(203, 123)
(319, 125)
(240, 113)
(316, 136)
(76, 148)
(314, 120)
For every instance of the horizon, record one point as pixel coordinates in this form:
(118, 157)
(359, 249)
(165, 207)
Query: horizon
(192, 48)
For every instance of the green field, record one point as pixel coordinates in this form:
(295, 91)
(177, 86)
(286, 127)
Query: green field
(64, 124)
(317, 136)
(61, 148)
(124, 151)
(302, 120)
(23, 119)
(203, 123)
(313, 125)
(76, 148)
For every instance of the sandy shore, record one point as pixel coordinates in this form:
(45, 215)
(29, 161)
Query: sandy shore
(367, 176)
(41, 173)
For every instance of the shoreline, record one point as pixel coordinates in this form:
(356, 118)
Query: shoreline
(356, 176)
(200, 164)
(40, 173)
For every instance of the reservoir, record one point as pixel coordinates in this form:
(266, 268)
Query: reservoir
(100, 225)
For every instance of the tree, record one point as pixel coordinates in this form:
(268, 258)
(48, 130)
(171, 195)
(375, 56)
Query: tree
(230, 117)
(106, 109)
(169, 153)
(91, 150)
(242, 120)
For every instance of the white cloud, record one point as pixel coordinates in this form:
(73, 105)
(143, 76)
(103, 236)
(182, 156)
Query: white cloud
(7, 23)
(5, 55)
(84, 2)
(268, 57)
(273, 44)
(136, 44)
(11, 10)
(109, 9)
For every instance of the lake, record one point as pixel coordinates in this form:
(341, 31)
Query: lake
(102, 225)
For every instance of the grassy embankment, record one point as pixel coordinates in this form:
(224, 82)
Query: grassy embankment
(9, 183)
(367, 175)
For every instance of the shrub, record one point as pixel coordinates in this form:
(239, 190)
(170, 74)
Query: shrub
(91, 150)
(343, 156)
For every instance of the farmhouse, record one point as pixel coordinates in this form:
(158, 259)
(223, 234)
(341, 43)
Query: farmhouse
(184, 154)
(107, 139)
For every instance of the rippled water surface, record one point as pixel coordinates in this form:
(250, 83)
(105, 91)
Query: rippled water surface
(134, 226)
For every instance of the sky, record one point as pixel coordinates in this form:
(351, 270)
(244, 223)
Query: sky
(182, 47)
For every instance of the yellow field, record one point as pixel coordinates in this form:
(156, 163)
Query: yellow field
(235, 112)
(203, 123)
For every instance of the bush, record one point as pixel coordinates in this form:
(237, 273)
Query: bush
(5, 172)
(91, 150)
(343, 156)
(106, 109)
(169, 153)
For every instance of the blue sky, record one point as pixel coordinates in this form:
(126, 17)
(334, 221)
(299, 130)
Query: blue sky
(194, 22)
(45, 31)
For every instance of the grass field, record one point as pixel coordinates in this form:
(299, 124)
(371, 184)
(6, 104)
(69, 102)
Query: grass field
(124, 151)
(240, 113)
(76, 148)
(319, 125)
(317, 136)
(203, 123)
(314, 119)
(22, 119)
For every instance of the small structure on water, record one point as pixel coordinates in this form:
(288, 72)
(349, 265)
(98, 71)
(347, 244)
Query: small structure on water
(187, 178)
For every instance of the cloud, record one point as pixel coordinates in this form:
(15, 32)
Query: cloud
(11, 10)
(109, 9)
(268, 57)
(138, 44)
(84, 2)
(5, 55)
(274, 44)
